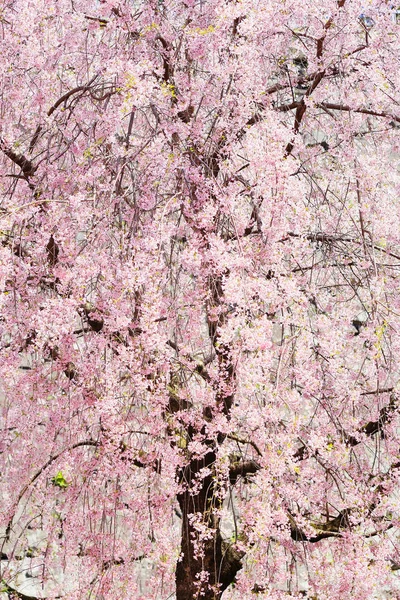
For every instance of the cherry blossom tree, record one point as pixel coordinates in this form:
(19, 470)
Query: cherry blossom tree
(200, 307)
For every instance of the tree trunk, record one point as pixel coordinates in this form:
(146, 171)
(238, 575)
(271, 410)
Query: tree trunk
(208, 573)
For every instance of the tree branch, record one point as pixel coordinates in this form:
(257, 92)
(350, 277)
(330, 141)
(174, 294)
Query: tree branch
(330, 239)
(52, 458)
(242, 469)
(19, 159)
(332, 528)
(243, 441)
(385, 416)
(13, 593)
(63, 98)
(365, 111)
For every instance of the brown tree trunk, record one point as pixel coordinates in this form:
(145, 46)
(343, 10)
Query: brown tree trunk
(216, 558)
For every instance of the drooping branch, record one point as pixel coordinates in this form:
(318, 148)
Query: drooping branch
(331, 239)
(61, 100)
(369, 429)
(34, 477)
(64, 97)
(13, 594)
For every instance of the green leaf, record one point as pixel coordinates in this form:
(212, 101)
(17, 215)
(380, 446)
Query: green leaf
(59, 480)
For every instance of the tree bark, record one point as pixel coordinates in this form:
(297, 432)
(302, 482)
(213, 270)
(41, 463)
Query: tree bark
(206, 567)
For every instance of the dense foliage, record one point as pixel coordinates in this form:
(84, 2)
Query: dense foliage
(200, 306)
